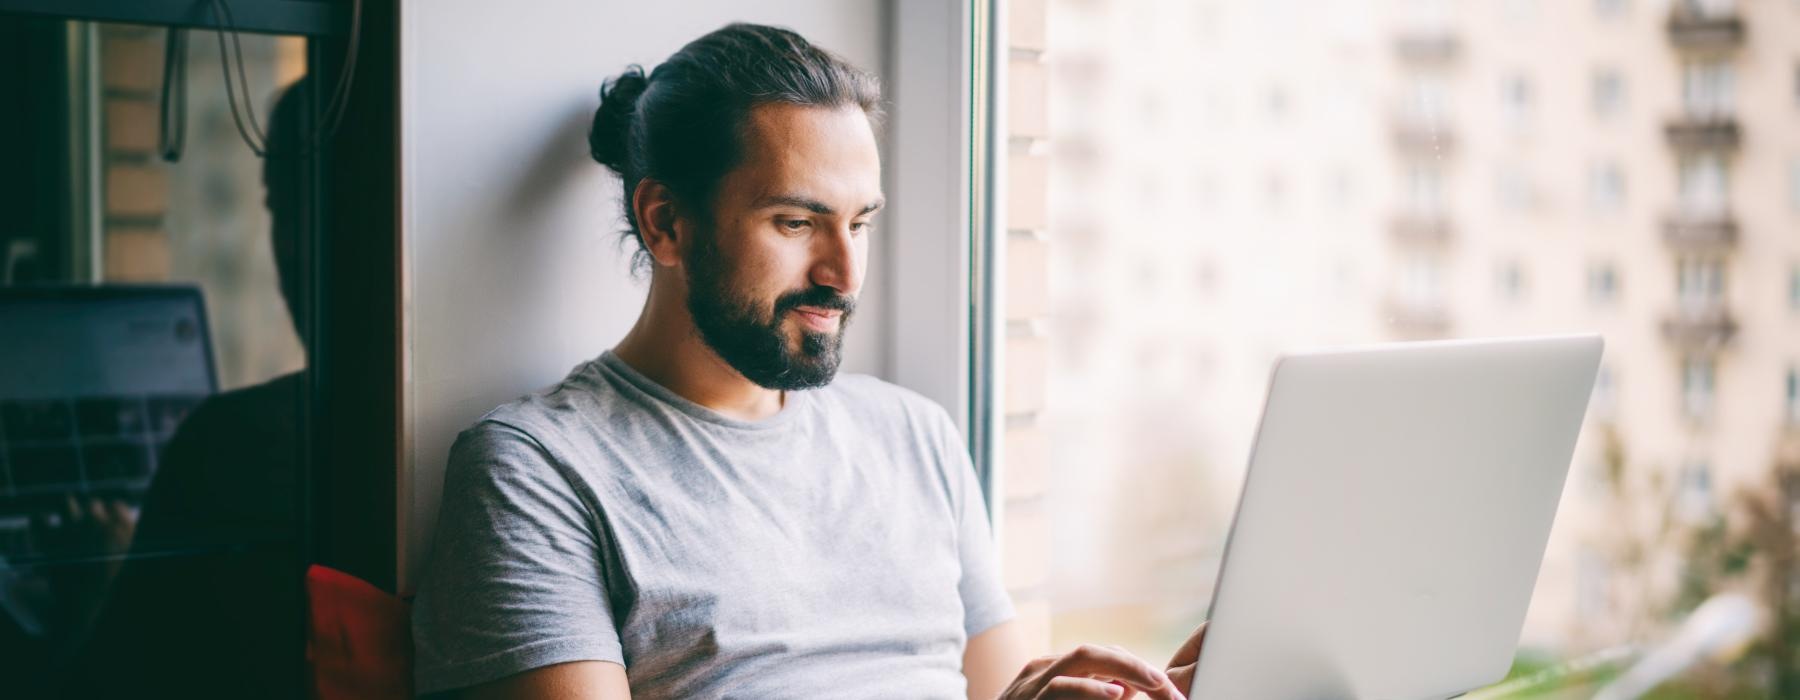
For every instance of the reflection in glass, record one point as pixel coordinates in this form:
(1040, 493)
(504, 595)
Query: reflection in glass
(153, 403)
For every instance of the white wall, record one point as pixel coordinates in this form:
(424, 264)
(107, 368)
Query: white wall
(513, 270)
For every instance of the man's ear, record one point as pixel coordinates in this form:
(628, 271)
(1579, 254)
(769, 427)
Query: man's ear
(654, 204)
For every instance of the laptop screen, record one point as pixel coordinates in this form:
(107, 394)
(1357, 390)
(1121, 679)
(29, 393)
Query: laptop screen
(95, 381)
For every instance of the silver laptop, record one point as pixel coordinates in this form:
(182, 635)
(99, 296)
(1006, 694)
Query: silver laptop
(1393, 519)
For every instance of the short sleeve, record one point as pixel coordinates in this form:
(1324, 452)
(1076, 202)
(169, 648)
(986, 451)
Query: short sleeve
(984, 598)
(514, 580)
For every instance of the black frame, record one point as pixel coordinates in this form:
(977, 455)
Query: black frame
(305, 17)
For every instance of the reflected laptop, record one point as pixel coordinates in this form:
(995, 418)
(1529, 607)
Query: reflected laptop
(93, 382)
(1393, 519)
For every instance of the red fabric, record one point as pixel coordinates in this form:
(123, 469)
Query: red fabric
(359, 640)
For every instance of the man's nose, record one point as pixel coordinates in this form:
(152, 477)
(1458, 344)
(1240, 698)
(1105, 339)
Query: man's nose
(840, 262)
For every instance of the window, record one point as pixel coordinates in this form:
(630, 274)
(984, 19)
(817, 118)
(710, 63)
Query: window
(1593, 579)
(1515, 100)
(1277, 103)
(1511, 281)
(1793, 185)
(1605, 401)
(1697, 387)
(1422, 281)
(1793, 396)
(1514, 190)
(1461, 244)
(1700, 284)
(1704, 189)
(1603, 284)
(1427, 102)
(1706, 89)
(1275, 193)
(1607, 93)
(1694, 491)
(1606, 187)
(1519, 12)
(1794, 288)
(1206, 193)
(1428, 16)
(171, 281)
(1707, 8)
(1425, 189)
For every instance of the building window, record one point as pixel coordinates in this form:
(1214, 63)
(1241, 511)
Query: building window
(1608, 92)
(1794, 185)
(1511, 281)
(1704, 185)
(1708, 8)
(1606, 187)
(1275, 193)
(1422, 281)
(1207, 193)
(1605, 400)
(1793, 396)
(1425, 189)
(1697, 387)
(1514, 190)
(1694, 494)
(1427, 101)
(1515, 99)
(1700, 284)
(1794, 288)
(1592, 579)
(1603, 283)
(1706, 89)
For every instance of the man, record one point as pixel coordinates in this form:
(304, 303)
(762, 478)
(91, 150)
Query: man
(702, 511)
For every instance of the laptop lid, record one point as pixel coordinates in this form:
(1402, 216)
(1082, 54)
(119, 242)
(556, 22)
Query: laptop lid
(1393, 519)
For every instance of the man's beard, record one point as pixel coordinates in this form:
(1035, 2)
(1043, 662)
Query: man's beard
(752, 343)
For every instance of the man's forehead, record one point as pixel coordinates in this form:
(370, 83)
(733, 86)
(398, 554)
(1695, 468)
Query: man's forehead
(821, 153)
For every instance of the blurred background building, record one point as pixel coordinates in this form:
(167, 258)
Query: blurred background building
(1195, 186)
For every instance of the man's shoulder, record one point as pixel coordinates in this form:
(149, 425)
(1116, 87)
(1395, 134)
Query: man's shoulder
(886, 402)
(573, 411)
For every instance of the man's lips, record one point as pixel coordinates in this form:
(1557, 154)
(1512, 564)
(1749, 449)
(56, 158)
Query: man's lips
(818, 319)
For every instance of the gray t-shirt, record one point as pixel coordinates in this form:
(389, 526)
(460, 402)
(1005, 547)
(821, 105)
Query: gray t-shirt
(837, 549)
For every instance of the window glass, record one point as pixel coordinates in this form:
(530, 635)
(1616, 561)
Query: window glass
(1139, 356)
(153, 407)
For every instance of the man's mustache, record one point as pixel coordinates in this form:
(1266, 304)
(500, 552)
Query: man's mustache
(820, 297)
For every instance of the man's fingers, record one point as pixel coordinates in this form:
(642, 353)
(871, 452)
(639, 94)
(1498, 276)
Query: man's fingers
(1116, 664)
(1190, 649)
(1072, 688)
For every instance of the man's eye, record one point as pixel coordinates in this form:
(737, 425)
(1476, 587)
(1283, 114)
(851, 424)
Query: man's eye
(795, 224)
(862, 227)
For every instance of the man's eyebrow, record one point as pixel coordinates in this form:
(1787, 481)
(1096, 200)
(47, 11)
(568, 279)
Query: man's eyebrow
(812, 205)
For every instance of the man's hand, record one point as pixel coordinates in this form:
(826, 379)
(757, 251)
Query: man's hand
(1101, 673)
(1181, 665)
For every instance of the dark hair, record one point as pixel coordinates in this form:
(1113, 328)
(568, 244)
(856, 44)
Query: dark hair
(683, 124)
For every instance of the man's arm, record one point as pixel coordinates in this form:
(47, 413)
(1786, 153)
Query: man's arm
(586, 680)
(993, 658)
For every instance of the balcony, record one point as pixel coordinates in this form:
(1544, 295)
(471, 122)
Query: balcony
(1421, 230)
(1700, 329)
(1423, 137)
(1697, 30)
(1427, 47)
(1418, 320)
(1700, 233)
(1712, 133)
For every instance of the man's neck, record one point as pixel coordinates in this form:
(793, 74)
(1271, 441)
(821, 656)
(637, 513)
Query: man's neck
(665, 347)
